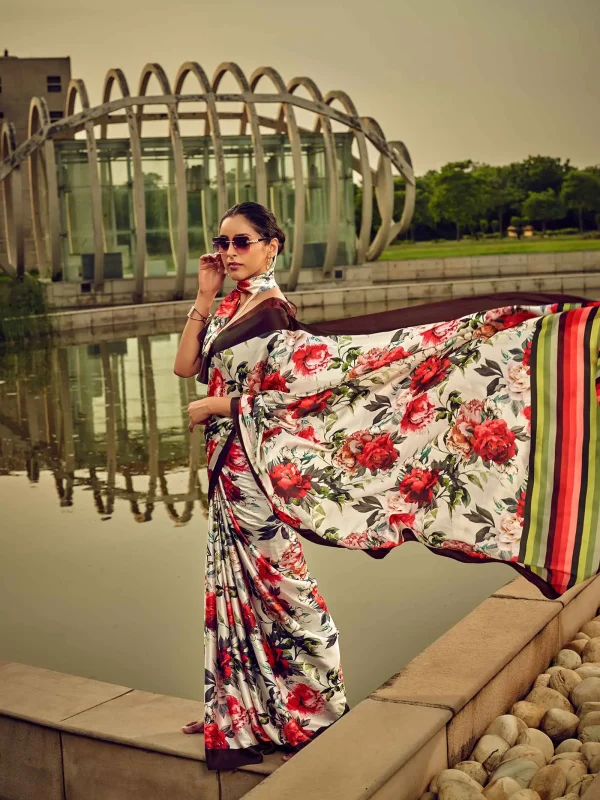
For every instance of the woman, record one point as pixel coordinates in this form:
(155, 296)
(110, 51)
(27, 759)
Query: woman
(470, 426)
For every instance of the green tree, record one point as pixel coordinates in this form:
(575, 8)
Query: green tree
(543, 207)
(499, 190)
(457, 195)
(538, 173)
(581, 191)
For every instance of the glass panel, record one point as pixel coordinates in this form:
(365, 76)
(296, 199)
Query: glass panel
(201, 184)
(116, 188)
(75, 198)
(346, 255)
(316, 200)
(161, 205)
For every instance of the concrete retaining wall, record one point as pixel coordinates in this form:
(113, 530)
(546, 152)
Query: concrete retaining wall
(430, 714)
(316, 305)
(63, 737)
(433, 278)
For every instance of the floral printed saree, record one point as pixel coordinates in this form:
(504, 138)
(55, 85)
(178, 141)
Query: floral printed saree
(470, 426)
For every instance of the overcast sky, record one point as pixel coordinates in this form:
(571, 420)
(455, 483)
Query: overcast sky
(453, 79)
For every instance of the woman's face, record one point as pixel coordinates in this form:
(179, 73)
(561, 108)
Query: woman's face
(256, 258)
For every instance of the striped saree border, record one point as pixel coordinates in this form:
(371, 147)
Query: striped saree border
(560, 541)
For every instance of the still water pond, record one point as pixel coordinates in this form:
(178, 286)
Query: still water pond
(103, 498)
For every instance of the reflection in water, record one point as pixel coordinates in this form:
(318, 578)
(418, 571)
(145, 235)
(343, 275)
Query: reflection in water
(90, 415)
(94, 437)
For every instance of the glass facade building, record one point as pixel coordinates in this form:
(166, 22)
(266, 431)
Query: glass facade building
(97, 202)
(116, 185)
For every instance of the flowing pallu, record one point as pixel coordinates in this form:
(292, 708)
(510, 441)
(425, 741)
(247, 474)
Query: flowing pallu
(470, 426)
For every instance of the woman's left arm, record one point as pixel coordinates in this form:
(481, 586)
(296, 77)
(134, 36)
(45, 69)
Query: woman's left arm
(200, 410)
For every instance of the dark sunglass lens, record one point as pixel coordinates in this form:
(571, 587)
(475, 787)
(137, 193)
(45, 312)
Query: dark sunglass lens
(241, 243)
(220, 243)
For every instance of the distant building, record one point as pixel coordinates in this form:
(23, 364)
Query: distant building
(99, 203)
(24, 78)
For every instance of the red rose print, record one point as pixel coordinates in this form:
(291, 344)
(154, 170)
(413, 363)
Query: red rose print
(527, 415)
(375, 358)
(347, 455)
(418, 485)
(312, 404)
(210, 611)
(236, 458)
(400, 521)
(308, 433)
(227, 306)
(238, 714)
(288, 518)
(440, 332)
(598, 390)
(527, 353)
(230, 617)
(248, 617)
(311, 358)
(521, 505)
(318, 598)
(305, 700)
(419, 413)
(216, 385)
(294, 734)
(214, 738)
(278, 663)
(210, 449)
(271, 432)
(431, 372)
(292, 560)
(514, 318)
(255, 378)
(232, 492)
(395, 354)
(494, 441)
(267, 572)
(356, 540)
(288, 482)
(274, 381)
(257, 728)
(379, 453)
(224, 663)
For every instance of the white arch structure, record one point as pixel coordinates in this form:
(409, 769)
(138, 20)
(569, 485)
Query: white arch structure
(134, 110)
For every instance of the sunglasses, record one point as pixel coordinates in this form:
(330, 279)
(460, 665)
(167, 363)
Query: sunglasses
(241, 243)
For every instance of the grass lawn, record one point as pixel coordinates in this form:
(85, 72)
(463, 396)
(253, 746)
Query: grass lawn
(489, 247)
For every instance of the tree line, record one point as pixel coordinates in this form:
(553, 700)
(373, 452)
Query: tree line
(465, 197)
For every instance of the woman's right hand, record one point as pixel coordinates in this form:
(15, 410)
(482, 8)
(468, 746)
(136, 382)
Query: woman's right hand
(211, 274)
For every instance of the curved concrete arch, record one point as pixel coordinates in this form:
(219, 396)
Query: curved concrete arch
(333, 228)
(403, 224)
(39, 118)
(116, 76)
(287, 110)
(12, 201)
(362, 244)
(213, 125)
(42, 169)
(179, 237)
(76, 88)
(364, 129)
(252, 117)
(384, 191)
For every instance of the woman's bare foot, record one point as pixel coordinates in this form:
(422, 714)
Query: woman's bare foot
(287, 756)
(193, 727)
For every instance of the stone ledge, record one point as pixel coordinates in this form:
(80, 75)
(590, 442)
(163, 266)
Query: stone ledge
(470, 654)
(361, 754)
(473, 673)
